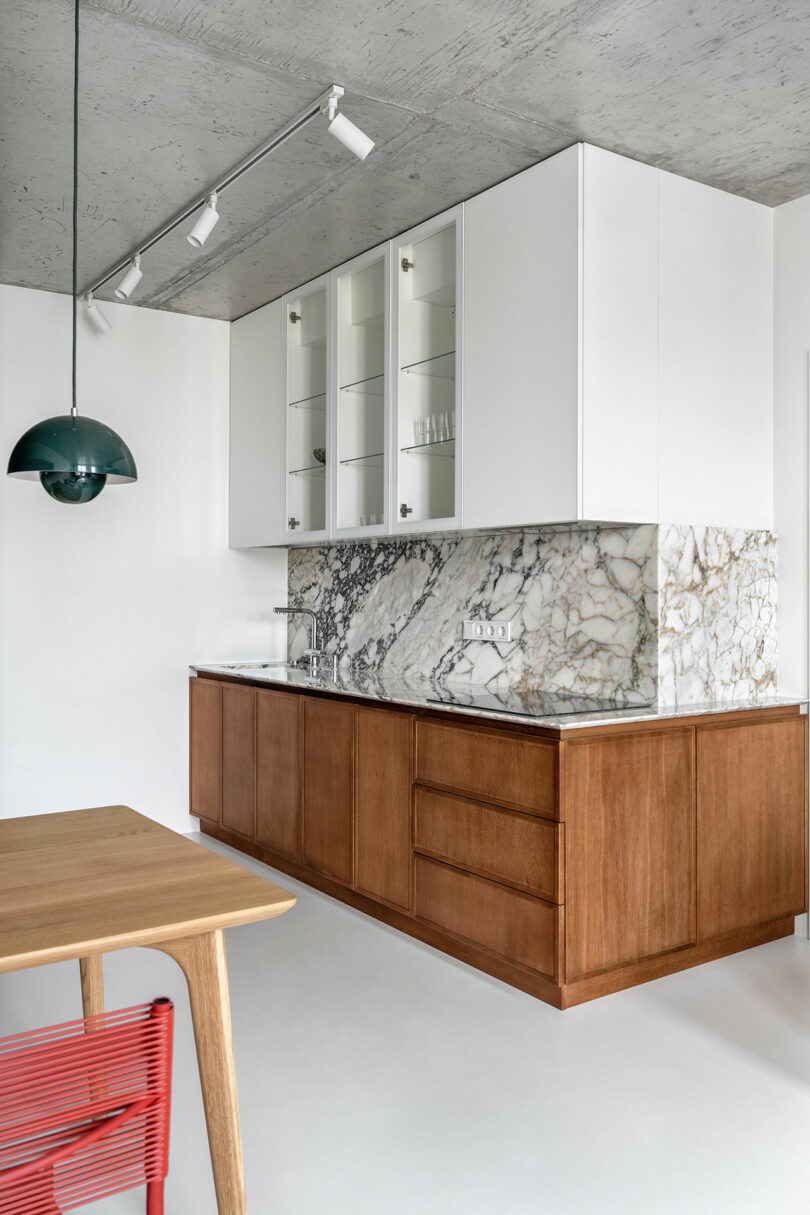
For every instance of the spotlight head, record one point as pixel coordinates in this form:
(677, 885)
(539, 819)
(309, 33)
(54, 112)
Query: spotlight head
(205, 224)
(351, 136)
(131, 279)
(95, 316)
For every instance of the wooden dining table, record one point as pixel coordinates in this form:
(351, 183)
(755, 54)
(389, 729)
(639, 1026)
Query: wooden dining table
(82, 883)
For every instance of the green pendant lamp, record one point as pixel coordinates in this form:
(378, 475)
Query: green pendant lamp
(73, 457)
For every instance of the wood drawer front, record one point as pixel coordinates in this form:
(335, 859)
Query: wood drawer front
(500, 844)
(515, 925)
(506, 768)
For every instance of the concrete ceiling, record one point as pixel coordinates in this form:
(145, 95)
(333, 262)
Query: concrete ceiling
(458, 94)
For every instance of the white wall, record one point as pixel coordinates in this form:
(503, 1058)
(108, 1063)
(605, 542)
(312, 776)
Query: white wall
(103, 606)
(791, 348)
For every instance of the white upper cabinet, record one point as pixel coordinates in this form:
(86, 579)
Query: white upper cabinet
(308, 319)
(716, 318)
(617, 328)
(618, 345)
(255, 450)
(589, 340)
(426, 482)
(360, 419)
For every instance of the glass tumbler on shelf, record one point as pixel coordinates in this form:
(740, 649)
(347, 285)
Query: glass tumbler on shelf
(419, 425)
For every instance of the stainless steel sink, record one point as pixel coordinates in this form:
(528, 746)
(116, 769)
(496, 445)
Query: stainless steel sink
(278, 665)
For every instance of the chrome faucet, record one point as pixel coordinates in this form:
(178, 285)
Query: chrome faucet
(313, 653)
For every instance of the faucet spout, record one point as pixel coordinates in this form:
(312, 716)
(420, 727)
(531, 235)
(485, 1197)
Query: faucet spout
(302, 611)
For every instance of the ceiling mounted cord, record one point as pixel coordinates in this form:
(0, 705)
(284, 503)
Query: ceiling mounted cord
(73, 407)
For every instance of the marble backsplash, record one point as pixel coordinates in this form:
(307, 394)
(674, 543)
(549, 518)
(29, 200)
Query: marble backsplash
(674, 614)
(717, 636)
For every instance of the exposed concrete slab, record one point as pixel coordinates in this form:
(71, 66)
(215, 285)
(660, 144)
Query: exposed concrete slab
(457, 95)
(716, 90)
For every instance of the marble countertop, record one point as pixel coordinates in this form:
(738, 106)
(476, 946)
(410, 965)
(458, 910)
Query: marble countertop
(371, 685)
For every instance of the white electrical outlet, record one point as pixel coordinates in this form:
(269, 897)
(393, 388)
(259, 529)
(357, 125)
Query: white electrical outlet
(487, 630)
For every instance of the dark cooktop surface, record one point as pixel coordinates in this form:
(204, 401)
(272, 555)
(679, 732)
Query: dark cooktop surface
(530, 702)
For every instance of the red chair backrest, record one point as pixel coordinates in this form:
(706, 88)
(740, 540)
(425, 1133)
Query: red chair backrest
(84, 1109)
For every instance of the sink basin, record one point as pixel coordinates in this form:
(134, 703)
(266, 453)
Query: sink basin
(278, 665)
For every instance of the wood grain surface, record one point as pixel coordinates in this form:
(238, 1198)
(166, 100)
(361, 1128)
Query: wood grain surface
(89, 881)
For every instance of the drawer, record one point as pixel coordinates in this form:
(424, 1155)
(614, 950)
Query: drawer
(491, 764)
(500, 844)
(515, 925)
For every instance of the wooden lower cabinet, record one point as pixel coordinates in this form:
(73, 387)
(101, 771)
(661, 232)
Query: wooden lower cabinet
(752, 824)
(383, 808)
(278, 771)
(239, 759)
(569, 866)
(630, 841)
(205, 749)
(328, 788)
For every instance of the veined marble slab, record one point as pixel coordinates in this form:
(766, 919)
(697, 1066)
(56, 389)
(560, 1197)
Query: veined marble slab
(582, 602)
(717, 625)
(375, 686)
(679, 614)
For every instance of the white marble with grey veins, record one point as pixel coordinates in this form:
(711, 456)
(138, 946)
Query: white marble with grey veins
(717, 636)
(582, 603)
(371, 685)
(676, 614)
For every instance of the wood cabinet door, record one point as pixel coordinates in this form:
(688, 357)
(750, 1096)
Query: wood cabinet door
(383, 810)
(751, 824)
(278, 771)
(328, 789)
(239, 759)
(630, 848)
(205, 749)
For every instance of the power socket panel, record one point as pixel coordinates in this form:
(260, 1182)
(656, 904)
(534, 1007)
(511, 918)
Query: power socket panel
(487, 630)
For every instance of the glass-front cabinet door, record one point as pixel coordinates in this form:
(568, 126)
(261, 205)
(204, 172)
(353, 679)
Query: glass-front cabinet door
(307, 413)
(427, 424)
(360, 426)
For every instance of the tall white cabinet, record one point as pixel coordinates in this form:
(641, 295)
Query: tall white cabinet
(588, 341)
(618, 349)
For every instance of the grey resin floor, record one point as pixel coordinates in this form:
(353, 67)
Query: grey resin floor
(378, 1077)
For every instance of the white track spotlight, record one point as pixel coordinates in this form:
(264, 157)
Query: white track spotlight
(206, 221)
(131, 279)
(95, 316)
(351, 136)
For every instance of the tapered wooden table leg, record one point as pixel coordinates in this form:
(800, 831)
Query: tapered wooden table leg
(202, 959)
(92, 975)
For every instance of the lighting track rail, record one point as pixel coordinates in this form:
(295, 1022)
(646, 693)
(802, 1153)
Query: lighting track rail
(340, 126)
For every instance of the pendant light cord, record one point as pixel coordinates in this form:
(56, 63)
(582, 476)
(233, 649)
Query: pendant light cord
(73, 408)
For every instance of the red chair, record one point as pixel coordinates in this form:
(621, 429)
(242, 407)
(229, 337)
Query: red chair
(84, 1111)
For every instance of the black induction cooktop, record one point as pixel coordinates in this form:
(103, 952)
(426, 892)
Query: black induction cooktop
(530, 702)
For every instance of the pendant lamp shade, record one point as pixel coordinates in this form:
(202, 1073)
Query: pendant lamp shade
(73, 456)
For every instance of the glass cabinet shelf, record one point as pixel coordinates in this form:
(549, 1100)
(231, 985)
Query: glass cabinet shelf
(318, 401)
(441, 366)
(439, 447)
(371, 386)
(375, 460)
(312, 468)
